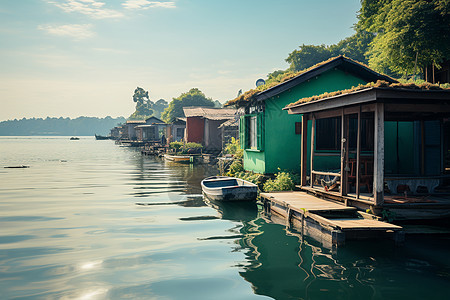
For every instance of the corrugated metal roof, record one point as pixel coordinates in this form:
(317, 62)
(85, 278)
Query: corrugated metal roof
(209, 113)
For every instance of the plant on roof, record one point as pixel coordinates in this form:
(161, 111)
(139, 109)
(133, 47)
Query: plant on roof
(380, 83)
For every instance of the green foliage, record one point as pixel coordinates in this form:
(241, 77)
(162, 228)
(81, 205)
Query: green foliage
(143, 105)
(191, 148)
(186, 148)
(234, 148)
(255, 178)
(192, 145)
(159, 107)
(235, 167)
(176, 146)
(388, 215)
(410, 34)
(192, 98)
(307, 56)
(282, 182)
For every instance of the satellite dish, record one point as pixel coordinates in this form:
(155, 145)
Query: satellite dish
(260, 82)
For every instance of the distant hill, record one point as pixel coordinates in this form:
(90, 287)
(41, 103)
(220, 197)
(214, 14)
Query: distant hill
(59, 126)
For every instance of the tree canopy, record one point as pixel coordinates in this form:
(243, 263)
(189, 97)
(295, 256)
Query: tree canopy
(192, 98)
(158, 107)
(408, 34)
(143, 105)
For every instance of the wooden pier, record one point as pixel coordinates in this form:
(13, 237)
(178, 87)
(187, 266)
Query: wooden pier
(327, 222)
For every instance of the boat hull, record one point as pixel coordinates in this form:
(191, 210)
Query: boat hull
(177, 158)
(229, 189)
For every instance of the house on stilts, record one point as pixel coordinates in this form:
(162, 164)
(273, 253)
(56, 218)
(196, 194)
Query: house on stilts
(387, 148)
(270, 137)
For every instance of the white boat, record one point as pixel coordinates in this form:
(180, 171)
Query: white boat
(179, 158)
(222, 188)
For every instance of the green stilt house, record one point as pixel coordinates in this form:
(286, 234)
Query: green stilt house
(270, 137)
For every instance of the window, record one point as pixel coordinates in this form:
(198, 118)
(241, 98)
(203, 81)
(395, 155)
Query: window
(251, 132)
(328, 134)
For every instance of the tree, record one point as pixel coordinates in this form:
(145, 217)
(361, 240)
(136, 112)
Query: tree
(143, 105)
(192, 98)
(159, 107)
(307, 56)
(410, 34)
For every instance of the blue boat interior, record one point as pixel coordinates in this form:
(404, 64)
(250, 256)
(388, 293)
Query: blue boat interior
(221, 183)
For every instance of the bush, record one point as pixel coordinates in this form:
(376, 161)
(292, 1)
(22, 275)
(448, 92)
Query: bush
(235, 167)
(192, 148)
(176, 146)
(282, 182)
(234, 148)
(255, 178)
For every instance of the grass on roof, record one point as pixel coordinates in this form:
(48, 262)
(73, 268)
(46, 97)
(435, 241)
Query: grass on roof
(248, 96)
(379, 83)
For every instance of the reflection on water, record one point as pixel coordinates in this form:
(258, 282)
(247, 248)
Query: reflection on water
(91, 220)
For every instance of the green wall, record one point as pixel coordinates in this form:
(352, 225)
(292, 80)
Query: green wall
(282, 145)
(254, 161)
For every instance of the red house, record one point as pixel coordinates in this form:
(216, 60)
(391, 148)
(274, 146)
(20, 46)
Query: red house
(202, 126)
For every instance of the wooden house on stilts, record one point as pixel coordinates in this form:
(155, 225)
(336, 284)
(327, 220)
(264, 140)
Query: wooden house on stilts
(269, 136)
(388, 147)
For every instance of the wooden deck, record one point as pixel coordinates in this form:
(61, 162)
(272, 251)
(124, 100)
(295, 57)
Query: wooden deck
(329, 222)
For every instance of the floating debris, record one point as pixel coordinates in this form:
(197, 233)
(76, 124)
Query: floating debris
(16, 167)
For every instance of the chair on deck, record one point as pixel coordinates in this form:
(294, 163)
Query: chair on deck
(365, 174)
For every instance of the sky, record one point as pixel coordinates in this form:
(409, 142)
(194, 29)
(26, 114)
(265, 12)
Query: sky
(74, 58)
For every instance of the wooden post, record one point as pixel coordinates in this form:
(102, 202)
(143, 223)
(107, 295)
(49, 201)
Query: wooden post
(422, 148)
(378, 168)
(344, 153)
(358, 153)
(304, 150)
(313, 128)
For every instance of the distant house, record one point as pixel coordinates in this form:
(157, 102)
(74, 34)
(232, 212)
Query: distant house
(129, 129)
(153, 130)
(202, 126)
(176, 130)
(270, 136)
(115, 132)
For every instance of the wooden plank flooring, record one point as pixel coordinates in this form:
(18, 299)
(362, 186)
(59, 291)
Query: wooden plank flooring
(311, 206)
(304, 201)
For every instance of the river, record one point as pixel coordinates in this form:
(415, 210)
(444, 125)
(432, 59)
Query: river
(92, 220)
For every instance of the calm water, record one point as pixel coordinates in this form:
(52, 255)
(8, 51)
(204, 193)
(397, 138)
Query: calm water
(92, 220)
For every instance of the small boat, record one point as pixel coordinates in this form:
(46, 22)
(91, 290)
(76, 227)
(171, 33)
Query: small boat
(222, 188)
(101, 137)
(179, 158)
(74, 138)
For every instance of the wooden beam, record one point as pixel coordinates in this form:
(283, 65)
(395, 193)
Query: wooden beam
(311, 165)
(304, 149)
(378, 168)
(358, 153)
(344, 150)
(422, 148)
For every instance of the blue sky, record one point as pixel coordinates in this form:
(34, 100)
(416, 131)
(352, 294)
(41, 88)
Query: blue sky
(75, 58)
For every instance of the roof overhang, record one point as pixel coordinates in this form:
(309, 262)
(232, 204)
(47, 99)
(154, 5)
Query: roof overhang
(341, 62)
(417, 100)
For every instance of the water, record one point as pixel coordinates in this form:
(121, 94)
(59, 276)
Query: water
(92, 220)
